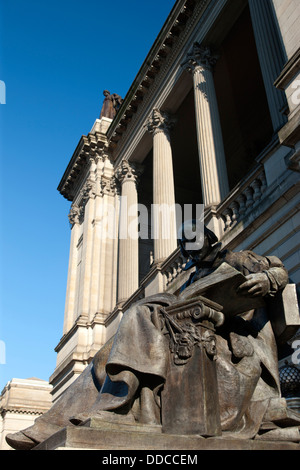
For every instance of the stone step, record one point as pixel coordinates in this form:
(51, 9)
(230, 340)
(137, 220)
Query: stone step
(136, 437)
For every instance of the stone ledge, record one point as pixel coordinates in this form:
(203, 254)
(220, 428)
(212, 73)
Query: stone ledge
(123, 437)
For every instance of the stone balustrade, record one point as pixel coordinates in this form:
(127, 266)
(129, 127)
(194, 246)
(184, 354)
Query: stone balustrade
(238, 205)
(242, 199)
(172, 267)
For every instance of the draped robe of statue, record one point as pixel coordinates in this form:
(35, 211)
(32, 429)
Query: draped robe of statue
(126, 378)
(111, 104)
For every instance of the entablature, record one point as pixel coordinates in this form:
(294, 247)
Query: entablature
(155, 60)
(90, 146)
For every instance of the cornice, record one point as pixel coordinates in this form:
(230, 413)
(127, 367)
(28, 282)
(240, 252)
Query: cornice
(31, 411)
(180, 20)
(168, 73)
(100, 318)
(91, 146)
(289, 71)
(175, 24)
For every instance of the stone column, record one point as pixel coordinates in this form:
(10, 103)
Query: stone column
(69, 317)
(97, 251)
(271, 56)
(163, 217)
(109, 261)
(87, 198)
(213, 170)
(128, 264)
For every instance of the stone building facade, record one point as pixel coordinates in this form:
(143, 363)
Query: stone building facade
(21, 402)
(212, 119)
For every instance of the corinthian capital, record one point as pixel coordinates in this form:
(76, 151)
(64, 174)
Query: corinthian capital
(128, 171)
(200, 56)
(74, 215)
(159, 121)
(109, 186)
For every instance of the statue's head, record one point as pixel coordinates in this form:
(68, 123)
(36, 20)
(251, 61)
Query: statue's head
(196, 240)
(106, 93)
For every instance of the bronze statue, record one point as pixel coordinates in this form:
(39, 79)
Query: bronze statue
(111, 104)
(191, 366)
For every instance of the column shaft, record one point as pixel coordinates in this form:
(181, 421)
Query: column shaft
(164, 208)
(97, 254)
(128, 262)
(210, 141)
(271, 56)
(72, 271)
(87, 201)
(108, 269)
(87, 256)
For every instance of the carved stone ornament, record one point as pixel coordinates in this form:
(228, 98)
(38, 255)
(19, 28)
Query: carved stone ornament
(200, 56)
(88, 190)
(74, 215)
(191, 325)
(128, 171)
(109, 186)
(160, 121)
(100, 155)
(186, 338)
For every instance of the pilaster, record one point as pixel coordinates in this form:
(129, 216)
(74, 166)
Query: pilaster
(70, 304)
(97, 222)
(87, 193)
(107, 288)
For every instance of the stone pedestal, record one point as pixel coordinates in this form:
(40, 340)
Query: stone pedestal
(100, 435)
(190, 402)
(101, 125)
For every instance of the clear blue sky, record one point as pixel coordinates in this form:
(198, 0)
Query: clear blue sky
(56, 58)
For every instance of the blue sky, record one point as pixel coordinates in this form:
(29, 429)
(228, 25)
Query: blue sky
(56, 58)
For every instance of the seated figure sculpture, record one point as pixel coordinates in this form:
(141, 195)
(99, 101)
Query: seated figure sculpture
(128, 379)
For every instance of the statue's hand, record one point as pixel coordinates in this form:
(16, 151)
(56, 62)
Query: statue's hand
(257, 284)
